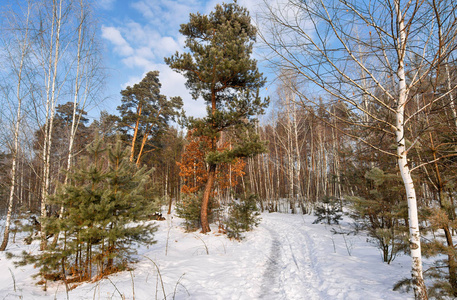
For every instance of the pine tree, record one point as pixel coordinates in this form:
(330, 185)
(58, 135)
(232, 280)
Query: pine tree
(145, 111)
(194, 173)
(219, 68)
(380, 208)
(243, 217)
(106, 194)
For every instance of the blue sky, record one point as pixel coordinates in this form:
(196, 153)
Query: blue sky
(137, 35)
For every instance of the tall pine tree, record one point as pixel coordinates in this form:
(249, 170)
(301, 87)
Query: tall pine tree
(219, 68)
(145, 111)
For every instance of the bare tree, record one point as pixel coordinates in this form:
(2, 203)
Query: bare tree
(374, 52)
(17, 47)
(49, 53)
(65, 54)
(290, 128)
(87, 76)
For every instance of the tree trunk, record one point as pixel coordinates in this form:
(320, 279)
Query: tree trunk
(451, 260)
(420, 291)
(11, 196)
(211, 174)
(206, 196)
(75, 118)
(50, 112)
(143, 143)
(135, 133)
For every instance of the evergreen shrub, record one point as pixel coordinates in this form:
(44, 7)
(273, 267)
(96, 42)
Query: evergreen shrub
(106, 210)
(328, 210)
(189, 208)
(243, 216)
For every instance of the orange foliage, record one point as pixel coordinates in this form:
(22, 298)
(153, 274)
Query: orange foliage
(194, 168)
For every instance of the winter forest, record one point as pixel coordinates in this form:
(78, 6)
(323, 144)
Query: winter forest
(331, 162)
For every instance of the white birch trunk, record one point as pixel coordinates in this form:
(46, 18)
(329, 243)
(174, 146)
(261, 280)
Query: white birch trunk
(451, 95)
(297, 150)
(14, 164)
(50, 112)
(420, 291)
(75, 117)
(290, 152)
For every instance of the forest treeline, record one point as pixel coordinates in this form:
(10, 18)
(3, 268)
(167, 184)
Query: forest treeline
(362, 121)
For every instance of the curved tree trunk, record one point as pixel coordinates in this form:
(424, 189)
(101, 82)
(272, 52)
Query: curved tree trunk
(135, 133)
(211, 176)
(76, 101)
(206, 196)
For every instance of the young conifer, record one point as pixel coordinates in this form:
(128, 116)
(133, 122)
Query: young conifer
(105, 212)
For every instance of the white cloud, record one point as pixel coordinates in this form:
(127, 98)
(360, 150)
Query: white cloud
(139, 33)
(169, 45)
(173, 84)
(106, 4)
(145, 52)
(166, 16)
(138, 62)
(114, 36)
(143, 41)
(131, 81)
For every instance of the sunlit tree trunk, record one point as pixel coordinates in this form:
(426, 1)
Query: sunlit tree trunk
(415, 245)
(50, 68)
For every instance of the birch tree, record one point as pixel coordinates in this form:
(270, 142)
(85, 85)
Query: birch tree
(65, 51)
(328, 44)
(49, 53)
(17, 48)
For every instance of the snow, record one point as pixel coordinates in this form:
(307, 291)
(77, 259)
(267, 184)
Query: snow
(286, 257)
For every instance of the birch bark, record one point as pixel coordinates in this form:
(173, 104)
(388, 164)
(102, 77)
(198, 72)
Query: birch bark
(415, 245)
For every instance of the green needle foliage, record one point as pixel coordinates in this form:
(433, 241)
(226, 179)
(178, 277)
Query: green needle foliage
(106, 209)
(145, 114)
(382, 211)
(243, 216)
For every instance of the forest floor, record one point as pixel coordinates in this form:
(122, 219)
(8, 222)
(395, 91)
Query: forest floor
(285, 257)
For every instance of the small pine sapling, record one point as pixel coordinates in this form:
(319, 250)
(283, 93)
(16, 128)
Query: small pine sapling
(328, 210)
(442, 272)
(243, 216)
(105, 216)
(189, 209)
(380, 209)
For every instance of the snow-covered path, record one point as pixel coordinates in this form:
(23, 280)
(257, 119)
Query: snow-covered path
(305, 265)
(288, 264)
(286, 257)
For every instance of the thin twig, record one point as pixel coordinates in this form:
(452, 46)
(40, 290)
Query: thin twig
(206, 247)
(160, 276)
(133, 285)
(122, 296)
(176, 286)
(166, 245)
(14, 279)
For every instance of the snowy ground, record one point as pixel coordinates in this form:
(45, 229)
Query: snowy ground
(286, 257)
